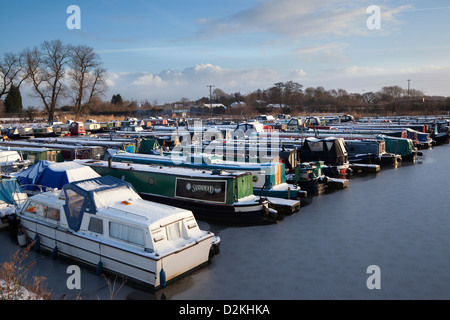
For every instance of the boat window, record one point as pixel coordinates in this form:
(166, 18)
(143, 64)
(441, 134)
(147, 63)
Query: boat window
(173, 231)
(75, 201)
(191, 223)
(126, 233)
(30, 207)
(51, 213)
(316, 146)
(96, 225)
(43, 211)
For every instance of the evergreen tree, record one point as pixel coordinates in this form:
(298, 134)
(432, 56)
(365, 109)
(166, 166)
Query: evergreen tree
(13, 101)
(116, 99)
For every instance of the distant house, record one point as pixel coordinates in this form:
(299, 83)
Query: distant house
(277, 105)
(214, 105)
(238, 104)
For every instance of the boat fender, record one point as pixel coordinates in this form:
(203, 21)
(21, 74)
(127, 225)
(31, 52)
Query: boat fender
(273, 214)
(162, 278)
(99, 268)
(21, 238)
(55, 253)
(37, 243)
(324, 179)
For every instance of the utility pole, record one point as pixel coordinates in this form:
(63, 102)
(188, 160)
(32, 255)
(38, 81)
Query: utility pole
(408, 86)
(210, 97)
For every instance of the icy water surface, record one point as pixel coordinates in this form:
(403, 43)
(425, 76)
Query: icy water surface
(398, 219)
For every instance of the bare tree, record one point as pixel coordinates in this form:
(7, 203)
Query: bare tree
(391, 93)
(86, 76)
(46, 69)
(11, 72)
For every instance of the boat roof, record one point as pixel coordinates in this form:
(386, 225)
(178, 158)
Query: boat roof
(116, 199)
(205, 159)
(113, 197)
(140, 211)
(179, 171)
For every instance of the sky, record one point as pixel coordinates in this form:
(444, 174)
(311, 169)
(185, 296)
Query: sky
(163, 51)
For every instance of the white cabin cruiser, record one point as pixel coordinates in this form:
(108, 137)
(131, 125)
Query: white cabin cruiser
(103, 222)
(12, 161)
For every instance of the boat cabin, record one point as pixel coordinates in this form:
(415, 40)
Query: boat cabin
(248, 129)
(331, 151)
(12, 161)
(92, 125)
(295, 124)
(265, 118)
(77, 128)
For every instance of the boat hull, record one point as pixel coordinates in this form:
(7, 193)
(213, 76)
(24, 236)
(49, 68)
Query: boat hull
(245, 213)
(138, 266)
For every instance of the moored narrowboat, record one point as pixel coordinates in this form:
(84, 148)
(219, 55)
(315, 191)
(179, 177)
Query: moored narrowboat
(331, 151)
(269, 179)
(370, 151)
(212, 195)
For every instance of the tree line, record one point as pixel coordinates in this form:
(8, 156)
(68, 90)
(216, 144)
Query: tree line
(292, 97)
(294, 94)
(54, 71)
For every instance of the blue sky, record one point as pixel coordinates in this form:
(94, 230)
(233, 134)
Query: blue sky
(166, 50)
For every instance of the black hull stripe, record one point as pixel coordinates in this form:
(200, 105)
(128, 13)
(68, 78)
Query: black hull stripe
(95, 253)
(89, 251)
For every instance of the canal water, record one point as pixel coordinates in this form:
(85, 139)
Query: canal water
(395, 222)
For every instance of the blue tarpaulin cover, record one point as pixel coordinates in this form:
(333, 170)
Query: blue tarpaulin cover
(53, 174)
(7, 188)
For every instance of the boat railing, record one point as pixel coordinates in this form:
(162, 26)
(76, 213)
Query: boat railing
(32, 189)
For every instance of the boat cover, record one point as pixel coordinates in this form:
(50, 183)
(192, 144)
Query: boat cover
(10, 196)
(399, 146)
(53, 174)
(330, 150)
(92, 194)
(9, 187)
(148, 146)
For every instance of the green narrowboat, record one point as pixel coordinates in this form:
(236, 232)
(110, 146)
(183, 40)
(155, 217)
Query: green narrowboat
(269, 179)
(212, 195)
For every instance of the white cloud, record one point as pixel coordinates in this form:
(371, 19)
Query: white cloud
(149, 80)
(432, 79)
(296, 19)
(329, 52)
(192, 82)
(297, 75)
